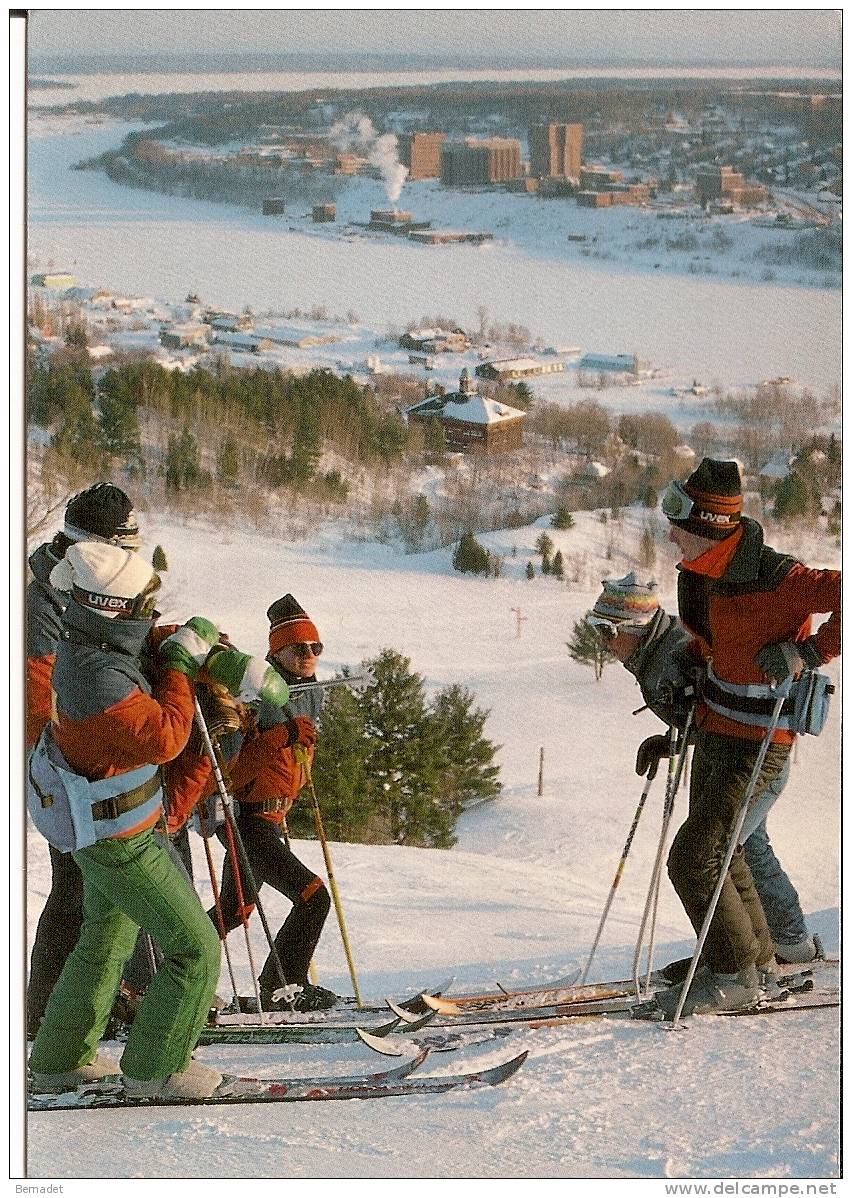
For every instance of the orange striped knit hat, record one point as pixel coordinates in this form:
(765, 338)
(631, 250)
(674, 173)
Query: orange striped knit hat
(717, 492)
(289, 624)
(625, 602)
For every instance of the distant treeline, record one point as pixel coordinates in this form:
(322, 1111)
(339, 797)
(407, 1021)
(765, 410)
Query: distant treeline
(214, 117)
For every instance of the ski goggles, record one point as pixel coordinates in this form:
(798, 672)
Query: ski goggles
(677, 504)
(605, 628)
(307, 649)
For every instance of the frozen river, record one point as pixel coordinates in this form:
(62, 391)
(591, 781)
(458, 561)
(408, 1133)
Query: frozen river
(140, 242)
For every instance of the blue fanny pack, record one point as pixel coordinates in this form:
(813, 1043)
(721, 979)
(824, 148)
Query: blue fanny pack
(72, 813)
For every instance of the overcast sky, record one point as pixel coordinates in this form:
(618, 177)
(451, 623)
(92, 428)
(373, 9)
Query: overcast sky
(802, 38)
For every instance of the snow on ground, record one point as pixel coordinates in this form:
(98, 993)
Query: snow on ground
(517, 900)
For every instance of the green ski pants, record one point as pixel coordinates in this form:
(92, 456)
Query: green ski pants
(128, 884)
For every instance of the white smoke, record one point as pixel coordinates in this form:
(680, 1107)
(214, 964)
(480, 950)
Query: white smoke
(355, 133)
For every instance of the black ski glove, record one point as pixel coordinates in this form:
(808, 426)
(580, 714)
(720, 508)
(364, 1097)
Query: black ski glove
(651, 752)
(783, 660)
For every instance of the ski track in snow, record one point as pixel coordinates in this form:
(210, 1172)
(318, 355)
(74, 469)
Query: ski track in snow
(517, 900)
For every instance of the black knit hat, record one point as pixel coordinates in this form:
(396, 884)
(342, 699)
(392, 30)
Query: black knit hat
(289, 624)
(102, 513)
(716, 490)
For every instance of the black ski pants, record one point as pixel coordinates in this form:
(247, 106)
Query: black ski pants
(721, 770)
(273, 863)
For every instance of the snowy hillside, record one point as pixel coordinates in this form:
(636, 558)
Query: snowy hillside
(517, 900)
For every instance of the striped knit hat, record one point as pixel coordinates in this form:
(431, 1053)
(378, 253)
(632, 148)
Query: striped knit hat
(626, 603)
(717, 492)
(289, 624)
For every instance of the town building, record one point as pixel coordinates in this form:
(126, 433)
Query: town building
(471, 422)
(59, 280)
(504, 369)
(474, 163)
(629, 363)
(323, 212)
(447, 236)
(421, 153)
(556, 151)
(273, 206)
(435, 341)
(723, 182)
(188, 336)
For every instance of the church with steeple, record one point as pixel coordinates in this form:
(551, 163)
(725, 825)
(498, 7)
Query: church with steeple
(471, 422)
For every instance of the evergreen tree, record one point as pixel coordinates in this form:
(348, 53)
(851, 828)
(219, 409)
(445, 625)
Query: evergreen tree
(546, 564)
(530, 570)
(120, 428)
(79, 434)
(544, 545)
(464, 755)
(792, 498)
(557, 569)
(404, 764)
(342, 777)
(587, 648)
(228, 461)
(562, 518)
(470, 557)
(183, 467)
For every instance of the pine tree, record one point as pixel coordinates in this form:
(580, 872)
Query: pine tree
(464, 755)
(562, 518)
(228, 461)
(557, 569)
(544, 545)
(530, 570)
(792, 498)
(470, 557)
(404, 765)
(183, 466)
(342, 776)
(587, 648)
(546, 564)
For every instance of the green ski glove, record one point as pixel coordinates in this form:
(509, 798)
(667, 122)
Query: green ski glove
(247, 678)
(187, 649)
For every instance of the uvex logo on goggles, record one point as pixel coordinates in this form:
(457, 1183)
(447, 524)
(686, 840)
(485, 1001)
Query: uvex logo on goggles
(102, 602)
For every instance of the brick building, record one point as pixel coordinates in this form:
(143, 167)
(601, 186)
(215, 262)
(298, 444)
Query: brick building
(723, 182)
(472, 163)
(471, 423)
(421, 153)
(556, 151)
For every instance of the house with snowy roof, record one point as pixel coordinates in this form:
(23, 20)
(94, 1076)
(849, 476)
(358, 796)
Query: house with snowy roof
(472, 423)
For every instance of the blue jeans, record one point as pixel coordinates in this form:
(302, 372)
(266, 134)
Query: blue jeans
(778, 895)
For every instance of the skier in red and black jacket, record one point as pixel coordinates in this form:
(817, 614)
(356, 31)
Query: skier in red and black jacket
(749, 610)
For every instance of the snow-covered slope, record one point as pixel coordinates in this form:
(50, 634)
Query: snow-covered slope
(517, 900)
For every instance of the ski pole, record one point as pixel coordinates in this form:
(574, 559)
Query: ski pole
(220, 919)
(652, 773)
(732, 847)
(302, 758)
(676, 763)
(239, 855)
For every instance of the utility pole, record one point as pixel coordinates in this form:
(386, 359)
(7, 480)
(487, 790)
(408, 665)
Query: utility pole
(541, 771)
(519, 618)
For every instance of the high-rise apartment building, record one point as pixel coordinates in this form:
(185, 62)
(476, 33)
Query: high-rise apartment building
(472, 163)
(421, 153)
(556, 151)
